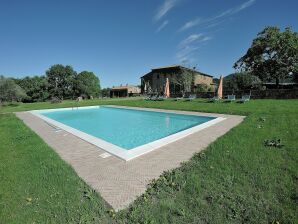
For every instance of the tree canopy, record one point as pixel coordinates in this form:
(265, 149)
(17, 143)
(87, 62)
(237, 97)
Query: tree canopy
(36, 88)
(273, 55)
(87, 84)
(105, 92)
(241, 81)
(184, 80)
(61, 81)
(10, 91)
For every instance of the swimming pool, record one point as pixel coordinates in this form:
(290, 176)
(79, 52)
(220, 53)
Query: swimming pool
(125, 132)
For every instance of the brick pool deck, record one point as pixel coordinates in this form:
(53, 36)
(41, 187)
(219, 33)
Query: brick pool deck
(119, 182)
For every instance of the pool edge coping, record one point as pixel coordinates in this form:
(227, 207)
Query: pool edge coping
(136, 152)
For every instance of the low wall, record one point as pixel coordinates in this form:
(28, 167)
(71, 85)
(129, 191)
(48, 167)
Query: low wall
(257, 94)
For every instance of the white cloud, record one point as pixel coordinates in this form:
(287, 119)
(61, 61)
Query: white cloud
(190, 24)
(165, 8)
(189, 39)
(244, 5)
(162, 26)
(229, 12)
(235, 10)
(189, 45)
(193, 39)
(214, 24)
(185, 53)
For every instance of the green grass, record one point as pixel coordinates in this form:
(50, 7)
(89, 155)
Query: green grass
(254, 106)
(235, 180)
(36, 185)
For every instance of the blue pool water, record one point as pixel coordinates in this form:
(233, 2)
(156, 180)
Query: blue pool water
(126, 128)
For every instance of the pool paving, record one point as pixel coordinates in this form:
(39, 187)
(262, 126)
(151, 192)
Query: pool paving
(120, 182)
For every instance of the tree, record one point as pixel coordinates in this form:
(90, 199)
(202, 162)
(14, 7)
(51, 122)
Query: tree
(61, 81)
(105, 92)
(35, 87)
(10, 91)
(202, 87)
(273, 55)
(241, 81)
(87, 84)
(184, 80)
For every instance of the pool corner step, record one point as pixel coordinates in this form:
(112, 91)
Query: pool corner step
(105, 155)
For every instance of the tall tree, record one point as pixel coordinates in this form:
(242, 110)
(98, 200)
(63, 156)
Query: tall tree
(87, 84)
(241, 81)
(184, 80)
(273, 55)
(61, 80)
(36, 88)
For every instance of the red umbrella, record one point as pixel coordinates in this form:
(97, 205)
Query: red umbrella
(167, 89)
(219, 90)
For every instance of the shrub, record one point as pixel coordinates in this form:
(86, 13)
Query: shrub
(10, 91)
(202, 88)
(56, 100)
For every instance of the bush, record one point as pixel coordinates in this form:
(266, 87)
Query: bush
(241, 81)
(10, 91)
(202, 88)
(36, 88)
(56, 100)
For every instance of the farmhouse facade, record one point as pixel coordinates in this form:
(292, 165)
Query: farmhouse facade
(125, 91)
(154, 81)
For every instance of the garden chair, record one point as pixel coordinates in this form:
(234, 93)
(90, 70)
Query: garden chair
(155, 97)
(245, 98)
(148, 97)
(214, 99)
(230, 98)
(160, 98)
(191, 97)
(180, 98)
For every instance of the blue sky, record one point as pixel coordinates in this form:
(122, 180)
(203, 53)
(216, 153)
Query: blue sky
(122, 40)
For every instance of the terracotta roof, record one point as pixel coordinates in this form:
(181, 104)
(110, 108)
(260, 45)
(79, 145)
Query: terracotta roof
(122, 87)
(169, 66)
(176, 66)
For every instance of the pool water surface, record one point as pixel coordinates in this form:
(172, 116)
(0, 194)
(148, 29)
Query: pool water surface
(126, 128)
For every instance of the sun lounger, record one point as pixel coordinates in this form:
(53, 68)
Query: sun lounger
(147, 98)
(160, 98)
(230, 98)
(245, 98)
(214, 99)
(155, 97)
(191, 97)
(179, 98)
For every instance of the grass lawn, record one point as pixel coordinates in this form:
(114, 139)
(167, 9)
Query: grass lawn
(236, 180)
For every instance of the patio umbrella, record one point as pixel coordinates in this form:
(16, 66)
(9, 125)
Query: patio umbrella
(167, 88)
(219, 90)
(145, 88)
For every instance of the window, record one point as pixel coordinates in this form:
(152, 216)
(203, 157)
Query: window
(157, 76)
